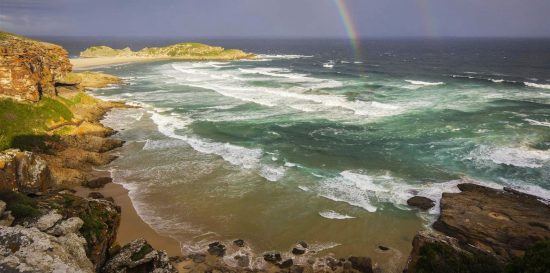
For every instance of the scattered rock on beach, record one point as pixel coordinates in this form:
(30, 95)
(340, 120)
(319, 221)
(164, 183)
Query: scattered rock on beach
(286, 263)
(139, 256)
(239, 242)
(361, 264)
(97, 183)
(421, 202)
(216, 249)
(273, 257)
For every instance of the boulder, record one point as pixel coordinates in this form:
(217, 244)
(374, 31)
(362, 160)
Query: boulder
(361, 264)
(97, 183)
(503, 223)
(71, 225)
(239, 242)
(29, 69)
(216, 249)
(139, 256)
(24, 171)
(421, 202)
(47, 220)
(286, 263)
(100, 220)
(272, 257)
(31, 250)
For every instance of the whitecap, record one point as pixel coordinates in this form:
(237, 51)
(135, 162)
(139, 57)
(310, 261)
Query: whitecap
(424, 83)
(514, 156)
(538, 123)
(537, 85)
(330, 214)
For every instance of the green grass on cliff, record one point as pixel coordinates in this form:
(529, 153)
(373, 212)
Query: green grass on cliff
(22, 119)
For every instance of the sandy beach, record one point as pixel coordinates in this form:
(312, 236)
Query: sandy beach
(131, 224)
(87, 63)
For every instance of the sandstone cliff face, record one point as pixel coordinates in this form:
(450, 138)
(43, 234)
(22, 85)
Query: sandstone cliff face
(29, 69)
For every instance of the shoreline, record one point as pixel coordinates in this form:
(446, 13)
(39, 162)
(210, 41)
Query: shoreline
(132, 226)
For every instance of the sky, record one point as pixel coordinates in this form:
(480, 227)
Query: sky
(277, 18)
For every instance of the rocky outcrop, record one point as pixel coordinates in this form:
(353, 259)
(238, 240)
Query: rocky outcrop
(32, 250)
(421, 202)
(24, 171)
(139, 256)
(88, 79)
(502, 222)
(29, 69)
(482, 230)
(100, 220)
(187, 51)
(434, 252)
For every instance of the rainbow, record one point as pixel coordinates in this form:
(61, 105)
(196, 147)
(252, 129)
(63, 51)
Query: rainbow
(351, 31)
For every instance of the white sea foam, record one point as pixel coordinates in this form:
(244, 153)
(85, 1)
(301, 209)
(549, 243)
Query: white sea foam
(330, 214)
(246, 158)
(424, 83)
(537, 85)
(515, 156)
(329, 64)
(282, 56)
(368, 191)
(232, 84)
(538, 123)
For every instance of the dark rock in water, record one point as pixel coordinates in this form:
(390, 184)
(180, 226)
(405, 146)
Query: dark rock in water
(239, 242)
(383, 248)
(346, 265)
(286, 263)
(361, 264)
(197, 257)
(139, 256)
(298, 251)
(273, 257)
(97, 183)
(216, 249)
(333, 263)
(96, 195)
(434, 253)
(303, 244)
(242, 260)
(421, 202)
(504, 223)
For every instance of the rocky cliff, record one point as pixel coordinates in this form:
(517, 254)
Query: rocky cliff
(29, 69)
(186, 51)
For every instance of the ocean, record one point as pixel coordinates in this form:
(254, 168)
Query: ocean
(308, 142)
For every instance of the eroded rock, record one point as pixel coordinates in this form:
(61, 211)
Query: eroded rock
(504, 223)
(30, 250)
(24, 171)
(29, 69)
(139, 256)
(421, 202)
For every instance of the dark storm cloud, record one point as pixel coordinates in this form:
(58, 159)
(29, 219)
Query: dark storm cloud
(276, 18)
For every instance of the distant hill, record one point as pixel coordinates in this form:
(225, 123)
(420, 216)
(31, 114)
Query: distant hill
(186, 51)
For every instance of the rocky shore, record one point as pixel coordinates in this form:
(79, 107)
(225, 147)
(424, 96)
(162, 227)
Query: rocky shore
(47, 226)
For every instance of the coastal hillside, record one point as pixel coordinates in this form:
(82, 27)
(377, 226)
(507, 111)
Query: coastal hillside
(186, 51)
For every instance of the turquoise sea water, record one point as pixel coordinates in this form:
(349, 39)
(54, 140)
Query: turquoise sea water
(307, 143)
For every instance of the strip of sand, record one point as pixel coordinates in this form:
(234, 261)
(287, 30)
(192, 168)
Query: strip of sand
(87, 63)
(131, 224)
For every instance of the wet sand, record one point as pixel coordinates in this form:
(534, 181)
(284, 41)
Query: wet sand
(131, 224)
